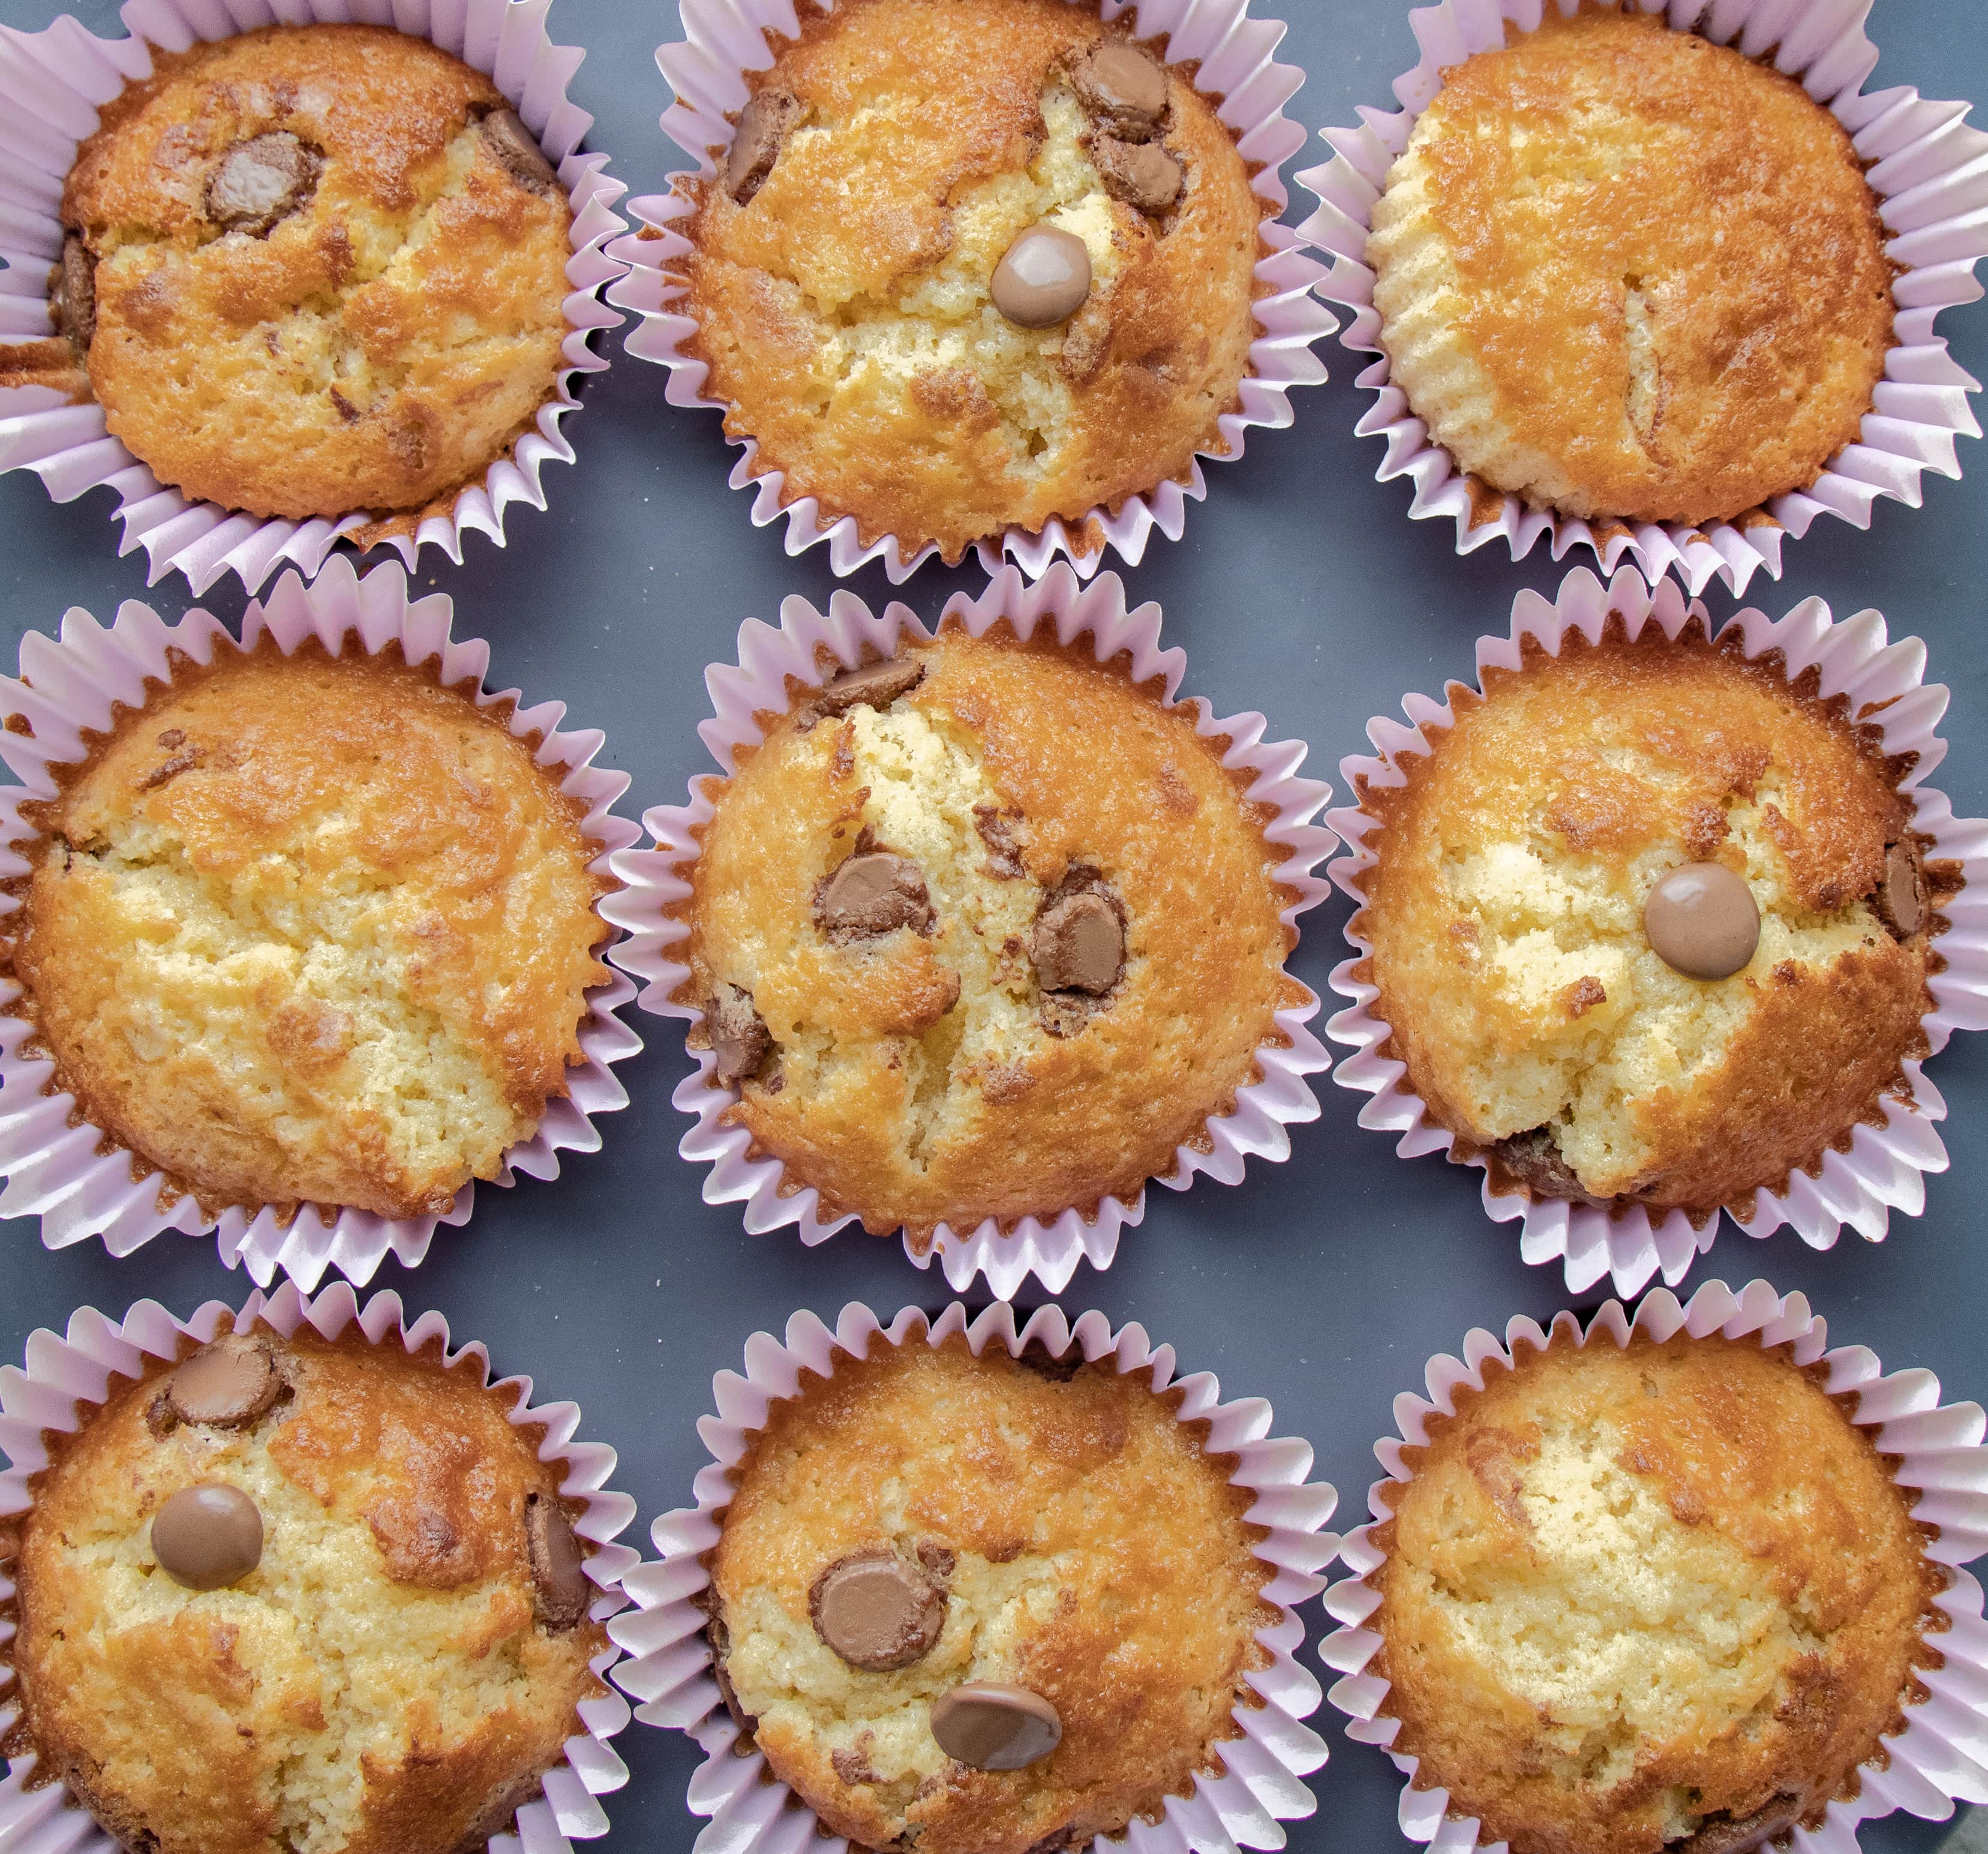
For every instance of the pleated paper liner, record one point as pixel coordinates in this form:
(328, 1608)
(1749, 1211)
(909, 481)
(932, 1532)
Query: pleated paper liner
(65, 1375)
(725, 39)
(1260, 1785)
(1092, 619)
(71, 688)
(1924, 164)
(1941, 1757)
(54, 82)
(1883, 1168)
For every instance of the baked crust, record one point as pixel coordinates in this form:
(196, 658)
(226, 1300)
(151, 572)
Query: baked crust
(1505, 914)
(859, 347)
(378, 1684)
(1633, 1598)
(1098, 1558)
(919, 1078)
(281, 958)
(1624, 272)
(376, 348)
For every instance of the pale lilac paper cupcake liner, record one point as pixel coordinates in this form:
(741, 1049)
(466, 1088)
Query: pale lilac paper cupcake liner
(724, 40)
(54, 82)
(750, 1812)
(1941, 1757)
(656, 880)
(65, 1375)
(1928, 169)
(1884, 1169)
(71, 688)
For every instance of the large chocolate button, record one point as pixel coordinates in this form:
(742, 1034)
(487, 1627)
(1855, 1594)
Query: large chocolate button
(75, 292)
(1044, 278)
(1902, 894)
(560, 1591)
(877, 684)
(226, 1386)
(1142, 173)
(876, 1612)
(511, 142)
(1701, 920)
(740, 1038)
(1079, 945)
(1118, 80)
(208, 1538)
(872, 892)
(763, 125)
(260, 182)
(993, 1726)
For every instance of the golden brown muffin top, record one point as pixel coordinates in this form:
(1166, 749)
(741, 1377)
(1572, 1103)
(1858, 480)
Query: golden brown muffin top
(1670, 268)
(1087, 1551)
(940, 1070)
(395, 1673)
(844, 310)
(308, 928)
(1663, 1598)
(1506, 917)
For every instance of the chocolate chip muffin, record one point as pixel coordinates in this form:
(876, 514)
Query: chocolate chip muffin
(310, 271)
(981, 1606)
(973, 263)
(303, 928)
(1624, 273)
(1662, 1599)
(983, 931)
(299, 1593)
(1650, 923)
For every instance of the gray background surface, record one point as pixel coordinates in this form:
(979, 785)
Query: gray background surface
(1301, 589)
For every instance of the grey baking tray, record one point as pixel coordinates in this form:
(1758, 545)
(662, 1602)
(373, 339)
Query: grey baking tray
(1301, 589)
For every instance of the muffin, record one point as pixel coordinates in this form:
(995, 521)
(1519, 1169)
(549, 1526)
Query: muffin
(1658, 1599)
(1624, 273)
(308, 271)
(983, 930)
(1650, 924)
(972, 263)
(308, 928)
(294, 1593)
(980, 1606)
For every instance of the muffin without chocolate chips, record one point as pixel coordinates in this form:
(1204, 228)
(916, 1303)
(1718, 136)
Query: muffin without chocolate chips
(1662, 1599)
(980, 1606)
(983, 931)
(319, 1597)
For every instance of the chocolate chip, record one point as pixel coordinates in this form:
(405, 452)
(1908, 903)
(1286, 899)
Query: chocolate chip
(1721, 1833)
(764, 124)
(876, 1611)
(561, 1592)
(74, 285)
(1142, 173)
(871, 892)
(938, 1559)
(990, 1725)
(1079, 941)
(739, 1037)
(226, 1386)
(1532, 1159)
(1117, 80)
(997, 832)
(208, 1537)
(877, 684)
(512, 143)
(261, 182)
(1701, 920)
(1042, 278)
(1901, 896)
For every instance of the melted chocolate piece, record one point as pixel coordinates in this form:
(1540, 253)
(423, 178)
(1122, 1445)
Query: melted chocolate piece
(764, 124)
(1901, 896)
(997, 831)
(739, 1037)
(1720, 1834)
(1079, 944)
(1534, 1160)
(516, 150)
(560, 1589)
(989, 1725)
(1141, 174)
(871, 893)
(74, 285)
(228, 1384)
(1126, 86)
(879, 684)
(259, 183)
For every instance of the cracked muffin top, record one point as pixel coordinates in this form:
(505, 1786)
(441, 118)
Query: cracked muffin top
(983, 931)
(311, 929)
(1658, 1600)
(971, 263)
(310, 271)
(983, 1606)
(1651, 922)
(295, 1596)
(1624, 273)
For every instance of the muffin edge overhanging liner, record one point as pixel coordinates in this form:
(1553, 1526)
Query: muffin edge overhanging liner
(55, 80)
(751, 1812)
(1925, 163)
(1942, 1756)
(1885, 1166)
(64, 1370)
(653, 882)
(725, 38)
(52, 1168)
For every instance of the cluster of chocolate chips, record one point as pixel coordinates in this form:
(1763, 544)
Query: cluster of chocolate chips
(1125, 88)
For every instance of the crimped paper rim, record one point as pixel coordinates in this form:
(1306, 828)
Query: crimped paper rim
(58, 79)
(1885, 1167)
(724, 39)
(654, 881)
(1940, 1758)
(753, 1812)
(53, 1169)
(1924, 164)
(63, 1372)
